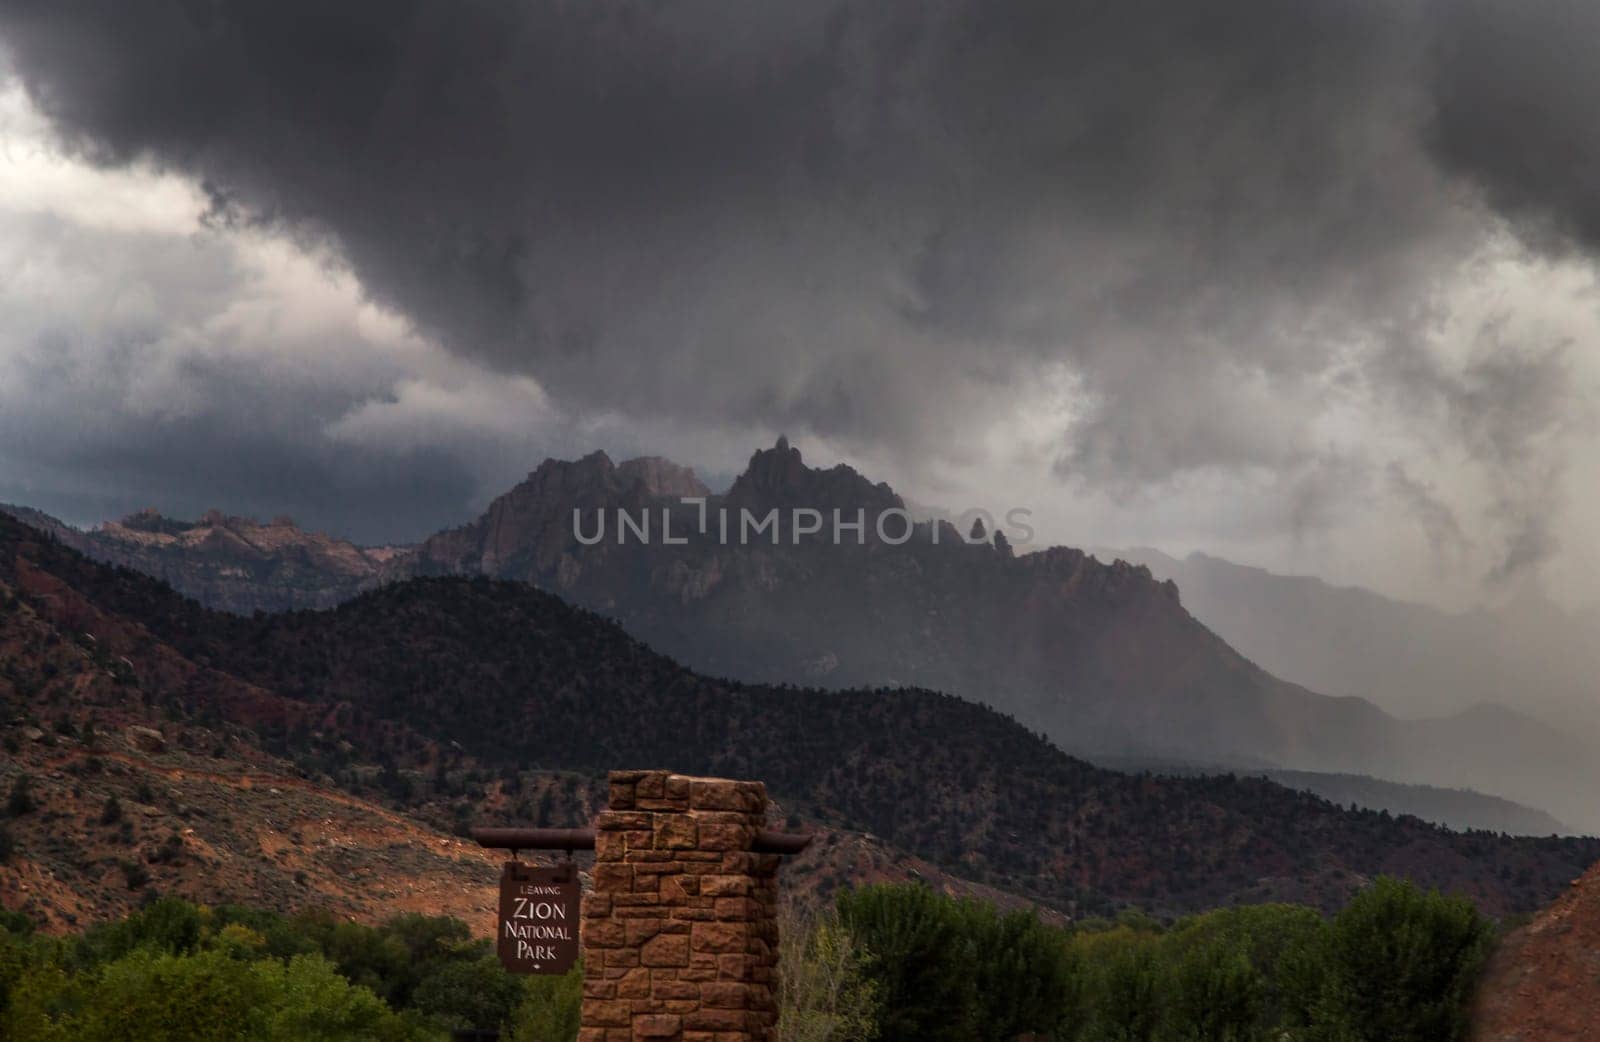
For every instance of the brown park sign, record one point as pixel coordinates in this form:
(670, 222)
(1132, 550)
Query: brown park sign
(538, 925)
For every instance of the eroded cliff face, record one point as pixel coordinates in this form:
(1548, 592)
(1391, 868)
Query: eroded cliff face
(1100, 655)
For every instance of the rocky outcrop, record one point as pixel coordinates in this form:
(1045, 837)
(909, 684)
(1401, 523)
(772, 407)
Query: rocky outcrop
(1543, 982)
(233, 563)
(1099, 655)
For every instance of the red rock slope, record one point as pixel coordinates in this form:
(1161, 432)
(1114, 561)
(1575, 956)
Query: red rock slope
(1543, 983)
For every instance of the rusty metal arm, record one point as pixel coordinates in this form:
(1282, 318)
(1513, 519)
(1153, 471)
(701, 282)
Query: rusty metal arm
(535, 839)
(766, 841)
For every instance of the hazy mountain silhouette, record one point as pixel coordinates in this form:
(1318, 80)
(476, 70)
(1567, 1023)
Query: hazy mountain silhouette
(1506, 696)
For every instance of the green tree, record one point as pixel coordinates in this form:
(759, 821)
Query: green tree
(307, 1001)
(1285, 943)
(549, 1009)
(1401, 965)
(1214, 994)
(467, 993)
(1129, 987)
(166, 925)
(922, 961)
(824, 993)
(1028, 977)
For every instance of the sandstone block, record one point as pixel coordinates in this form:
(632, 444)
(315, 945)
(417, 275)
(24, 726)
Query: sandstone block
(674, 989)
(609, 846)
(676, 832)
(635, 984)
(726, 837)
(693, 914)
(623, 820)
(665, 950)
(623, 899)
(725, 886)
(720, 937)
(657, 1025)
(611, 878)
(716, 1020)
(725, 995)
(718, 794)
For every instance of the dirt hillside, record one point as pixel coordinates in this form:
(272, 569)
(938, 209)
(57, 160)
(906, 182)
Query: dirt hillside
(1543, 983)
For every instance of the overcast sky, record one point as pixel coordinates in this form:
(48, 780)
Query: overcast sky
(1309, 285)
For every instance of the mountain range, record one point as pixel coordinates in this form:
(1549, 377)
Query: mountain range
(1414, 659)
(448, 701)
(1449, 675)
(1103, 658)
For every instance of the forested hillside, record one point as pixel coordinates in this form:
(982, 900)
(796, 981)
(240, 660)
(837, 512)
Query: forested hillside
(429, 675)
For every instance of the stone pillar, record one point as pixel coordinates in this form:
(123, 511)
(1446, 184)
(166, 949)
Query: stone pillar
(680, 933)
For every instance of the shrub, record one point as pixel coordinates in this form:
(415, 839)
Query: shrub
(134, 873)
(211, 996)
(21, 800)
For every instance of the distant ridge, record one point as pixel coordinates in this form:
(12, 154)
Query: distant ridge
(453, 687)
(232, 563)
(1102, 656)
(1450, 676)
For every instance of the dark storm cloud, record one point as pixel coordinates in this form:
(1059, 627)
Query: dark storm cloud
(1517, 88)
(135, 371)
(826, 216)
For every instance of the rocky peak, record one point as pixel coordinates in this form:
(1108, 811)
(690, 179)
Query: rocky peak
(152, 520)
(661, 477)
(779, 477)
